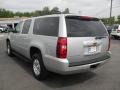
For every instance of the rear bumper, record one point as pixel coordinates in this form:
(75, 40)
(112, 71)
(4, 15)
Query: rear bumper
(61, 66)
(115, 34)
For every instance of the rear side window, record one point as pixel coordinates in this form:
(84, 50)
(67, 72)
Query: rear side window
(77, 27)
(26, 27)
(46, 26)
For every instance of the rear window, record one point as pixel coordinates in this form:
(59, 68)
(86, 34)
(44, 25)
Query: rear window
(46, 26)
(116, 26)
(87, 27)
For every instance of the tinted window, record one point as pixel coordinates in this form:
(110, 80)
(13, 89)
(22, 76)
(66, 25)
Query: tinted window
(46, 26)
(116, 26)
(26, 26)
(15, 24)
(77, 27)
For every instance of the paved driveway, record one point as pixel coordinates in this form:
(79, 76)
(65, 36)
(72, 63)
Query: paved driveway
(15, 74)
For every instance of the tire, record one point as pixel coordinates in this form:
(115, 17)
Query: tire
(38, 68)
(9, 50)
(116, 37)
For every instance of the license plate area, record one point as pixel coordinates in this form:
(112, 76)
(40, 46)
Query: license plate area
(92, 49)
(89, 50)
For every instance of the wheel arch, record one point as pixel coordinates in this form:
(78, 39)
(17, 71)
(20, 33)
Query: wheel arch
(34, 49)
(7, 40)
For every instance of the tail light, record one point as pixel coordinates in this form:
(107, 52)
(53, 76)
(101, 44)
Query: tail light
(118, 31)
(61, 51)
(109, 44)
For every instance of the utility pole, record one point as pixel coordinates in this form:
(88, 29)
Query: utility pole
(111, 11)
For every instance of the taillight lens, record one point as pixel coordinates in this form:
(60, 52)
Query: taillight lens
(118, 31)
(61, 51)
(109, 44)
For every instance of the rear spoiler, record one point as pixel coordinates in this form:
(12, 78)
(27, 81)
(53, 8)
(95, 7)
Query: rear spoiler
(86, 18)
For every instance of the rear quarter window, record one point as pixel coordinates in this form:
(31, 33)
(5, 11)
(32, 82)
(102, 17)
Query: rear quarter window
(46, 26)
(77, 27)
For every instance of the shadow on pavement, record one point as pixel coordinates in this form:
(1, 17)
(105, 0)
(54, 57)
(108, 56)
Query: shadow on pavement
(27, 66)
(55, 80)
(58, 81)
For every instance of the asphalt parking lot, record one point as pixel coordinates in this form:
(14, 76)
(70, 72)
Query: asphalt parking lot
(15, 74)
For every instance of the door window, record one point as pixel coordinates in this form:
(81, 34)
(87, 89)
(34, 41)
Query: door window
(18, 28)
(26, 27)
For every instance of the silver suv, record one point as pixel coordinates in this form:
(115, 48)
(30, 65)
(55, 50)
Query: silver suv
(64, 44)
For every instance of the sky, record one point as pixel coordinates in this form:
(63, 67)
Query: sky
(97, 8)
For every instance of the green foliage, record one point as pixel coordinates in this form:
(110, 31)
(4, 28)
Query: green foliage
(118, 21)
(45, 11)
(18, 14)
(6, 13)
(110, 21)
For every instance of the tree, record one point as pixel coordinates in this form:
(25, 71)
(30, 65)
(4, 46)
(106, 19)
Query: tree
(36, 13)
(111, 20)
(27, 14)
(118, 19)
(108, 21)
(18, 14)
(66, 11)
(55, 10)
(46, 11)
(5, 13)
